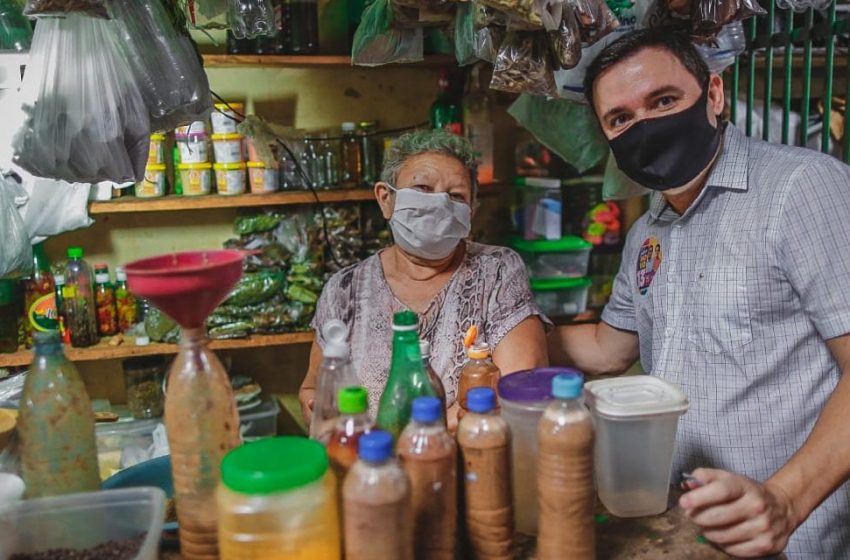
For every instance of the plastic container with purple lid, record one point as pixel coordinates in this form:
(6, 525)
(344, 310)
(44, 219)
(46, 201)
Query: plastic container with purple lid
(523, 396)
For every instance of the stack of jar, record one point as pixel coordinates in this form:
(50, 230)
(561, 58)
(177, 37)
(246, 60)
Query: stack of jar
(229, 166)
(154, 184)
(194, 170)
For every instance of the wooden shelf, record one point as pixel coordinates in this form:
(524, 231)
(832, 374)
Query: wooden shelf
(104, 351)
(172, 203)
(306, 61)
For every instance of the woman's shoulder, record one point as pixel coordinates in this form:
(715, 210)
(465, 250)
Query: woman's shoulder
(347, 278)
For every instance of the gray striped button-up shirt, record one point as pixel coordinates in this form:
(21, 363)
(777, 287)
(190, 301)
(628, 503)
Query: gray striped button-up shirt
(733, 302)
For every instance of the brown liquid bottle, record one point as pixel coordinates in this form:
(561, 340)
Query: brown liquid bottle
(478, 371)
(436, 382)
(429, 457)
(565, 492)
(485, 447)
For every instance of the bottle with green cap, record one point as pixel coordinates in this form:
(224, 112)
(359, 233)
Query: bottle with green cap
(78, 295)
(353, 422)
(277, 496)
(334, 374)
(566, 494)
(407, 378)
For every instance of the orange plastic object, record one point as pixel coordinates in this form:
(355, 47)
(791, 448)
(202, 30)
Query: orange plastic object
(470, 336)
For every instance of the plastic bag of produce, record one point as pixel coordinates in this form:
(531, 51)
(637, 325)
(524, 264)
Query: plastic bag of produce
(524, 14)
(250, 18)
(566, 40)
(168, 71)
(377, 41)
(256, 287)
(158, 325)
(709, 16)
(93, 8)
(206, 14)
(15, 249)
(85, 121)
(524, 65)
(464, 34)
(595, 19)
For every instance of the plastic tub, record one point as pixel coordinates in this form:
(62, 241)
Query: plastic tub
(230, 178)
(196, 127)
(194, 148)
(567, 257)
(261, 421)
(156, 153)
(539, 208)
(196, 178)
(153, 185)
(635, 418)
(83, 521)
(227, 148)
(262, 179)
(224, 118)
(523, 397)
(561, 296)
(121, 443)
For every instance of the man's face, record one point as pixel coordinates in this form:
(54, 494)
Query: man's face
(651, 83)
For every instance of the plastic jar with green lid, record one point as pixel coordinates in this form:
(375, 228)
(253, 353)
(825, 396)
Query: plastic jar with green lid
(277, 499)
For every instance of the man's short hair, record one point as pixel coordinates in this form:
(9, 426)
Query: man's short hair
(672, 39)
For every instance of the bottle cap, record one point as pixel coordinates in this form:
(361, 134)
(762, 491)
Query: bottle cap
(273, 465)
(567, 386)
(101, 266)
(353, 400)
(426, 409)
(376, 446)
(120, 274)
(335, 334)
(405, 321)
(479, 351)
(425, 349)
(481, 400)
(75, 252)
(348, 127)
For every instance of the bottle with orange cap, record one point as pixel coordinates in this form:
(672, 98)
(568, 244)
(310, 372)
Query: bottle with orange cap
(479, 369)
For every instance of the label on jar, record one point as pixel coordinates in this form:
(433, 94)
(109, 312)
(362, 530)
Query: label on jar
(197, 182)
(42, 314)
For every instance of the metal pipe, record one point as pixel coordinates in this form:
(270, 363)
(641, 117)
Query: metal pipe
(787, 81)
(807, 79)
(830, 66)
(768, 74)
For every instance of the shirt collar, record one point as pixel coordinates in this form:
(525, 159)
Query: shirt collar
(729, 171)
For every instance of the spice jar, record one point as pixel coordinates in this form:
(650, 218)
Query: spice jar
(143, 378)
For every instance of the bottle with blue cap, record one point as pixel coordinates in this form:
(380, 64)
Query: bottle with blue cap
(565, 491)
(484, 439)
(429, 457)
(335, 373)
(377, 518)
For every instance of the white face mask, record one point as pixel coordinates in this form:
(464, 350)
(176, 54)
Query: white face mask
(429, 225)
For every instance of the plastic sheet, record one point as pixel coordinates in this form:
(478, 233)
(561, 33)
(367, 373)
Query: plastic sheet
(93, 8)
(164, 62)
(86, 120)
(250, 18)
(15, 249)
(524, 65)
(378, 42)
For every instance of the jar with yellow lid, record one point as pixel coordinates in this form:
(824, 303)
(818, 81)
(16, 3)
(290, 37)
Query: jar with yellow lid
(262, 179)
(156, 153)
(227, 148)
(226, 116)
(277, 501)
(230, 178)
(478, 371)
(196, 178)
(153, 185)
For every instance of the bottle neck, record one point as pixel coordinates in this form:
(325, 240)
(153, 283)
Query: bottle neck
(193, 337)
(406, 355)
(50, 350)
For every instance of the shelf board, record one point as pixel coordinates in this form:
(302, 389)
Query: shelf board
(172, 202)
(103, 351)
(305, 61)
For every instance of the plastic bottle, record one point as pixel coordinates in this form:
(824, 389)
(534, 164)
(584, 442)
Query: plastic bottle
(436, 382)
(484, 439)
(330, 162)
(56, 425)
(302, 26)
(104, 298)
(334, 374)
(80, 310)
(352, 157)
(445, 113)
(478, 371)
(40, 296)
(377, 515)
(125, 301)
(310, 163)
(478, 125)
(565, 490)
(365, 130)
(277, 501)
(429, 457)
(352, 423)
(407, 378)
(59, 280)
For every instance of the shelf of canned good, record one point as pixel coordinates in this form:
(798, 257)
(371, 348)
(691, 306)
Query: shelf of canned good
(283, 61)
(108, 350)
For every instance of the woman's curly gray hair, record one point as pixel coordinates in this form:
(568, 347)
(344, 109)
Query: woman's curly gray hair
(429, 141)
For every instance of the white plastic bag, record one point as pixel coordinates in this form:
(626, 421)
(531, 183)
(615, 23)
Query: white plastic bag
(85, 118)
(15, 248)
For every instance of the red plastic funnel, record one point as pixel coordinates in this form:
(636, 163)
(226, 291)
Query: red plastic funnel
(186, 286)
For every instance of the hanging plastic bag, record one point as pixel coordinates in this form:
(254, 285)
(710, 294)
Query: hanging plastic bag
(377, 41)
(15, 250)
(487, 41)
(595, 19)
(522, 13)
(524, 65)
(164, 62)
(206, 14)
(721, 52)
(15, 30)
(464, 34)
(85, 119)
(93, 8)
(250, 18)
(566, 41)
(709, 16)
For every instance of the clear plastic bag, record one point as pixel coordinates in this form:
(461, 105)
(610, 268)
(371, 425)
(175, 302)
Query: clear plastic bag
(377, 41)
(487, 41)
(167, 69)
(86, 121)
(524, 65)
(464, 34)
(566, 41)
(709, 16)
(250, 18)
(206, 14)
(522, 14)
(720, 53)
(93, 8)
(15, 250)
(595, 19)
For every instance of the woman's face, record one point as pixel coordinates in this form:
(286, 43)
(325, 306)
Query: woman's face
(431, 173)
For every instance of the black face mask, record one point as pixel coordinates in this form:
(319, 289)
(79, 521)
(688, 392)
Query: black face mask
(668, 152)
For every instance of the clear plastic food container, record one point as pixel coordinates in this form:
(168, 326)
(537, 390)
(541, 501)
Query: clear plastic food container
(635, 418)
(561, 296)
(567, 257)
(230, 178)
(261, 178)
(227, 148)
(261, 421)
(538, 210)
(156, 153)
(196, 127)
(196, 178)
(153, 185)
(84, 521)
(194, 148)
(224, 118)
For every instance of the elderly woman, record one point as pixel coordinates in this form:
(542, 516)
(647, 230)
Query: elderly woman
(427, 193)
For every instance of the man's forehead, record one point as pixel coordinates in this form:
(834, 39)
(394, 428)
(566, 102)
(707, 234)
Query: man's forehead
(639, 75)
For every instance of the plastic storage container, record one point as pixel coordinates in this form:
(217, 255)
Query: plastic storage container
(196, 178)
(143, 378)
(262, 179)
(194, 148)
(567, 257)
(123, 444)
(224, 118)
(195, 127)
(83, 521)
(635, 419)
(561, 296)
(153, 185)
(156, 153)
(539, 208)
(227, 148)
(230, 178)
(261, 421)
(524, 396)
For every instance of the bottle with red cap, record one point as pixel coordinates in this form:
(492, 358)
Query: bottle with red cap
(446, 113)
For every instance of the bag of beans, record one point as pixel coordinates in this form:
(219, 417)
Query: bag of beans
(524, 65)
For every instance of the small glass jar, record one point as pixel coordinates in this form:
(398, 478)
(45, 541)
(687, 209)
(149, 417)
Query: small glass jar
(143, 379)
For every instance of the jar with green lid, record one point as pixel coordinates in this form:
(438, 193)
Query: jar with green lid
(277, 499)
(143, 380)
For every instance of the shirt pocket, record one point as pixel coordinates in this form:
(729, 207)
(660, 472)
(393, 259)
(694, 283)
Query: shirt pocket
(719, 318)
